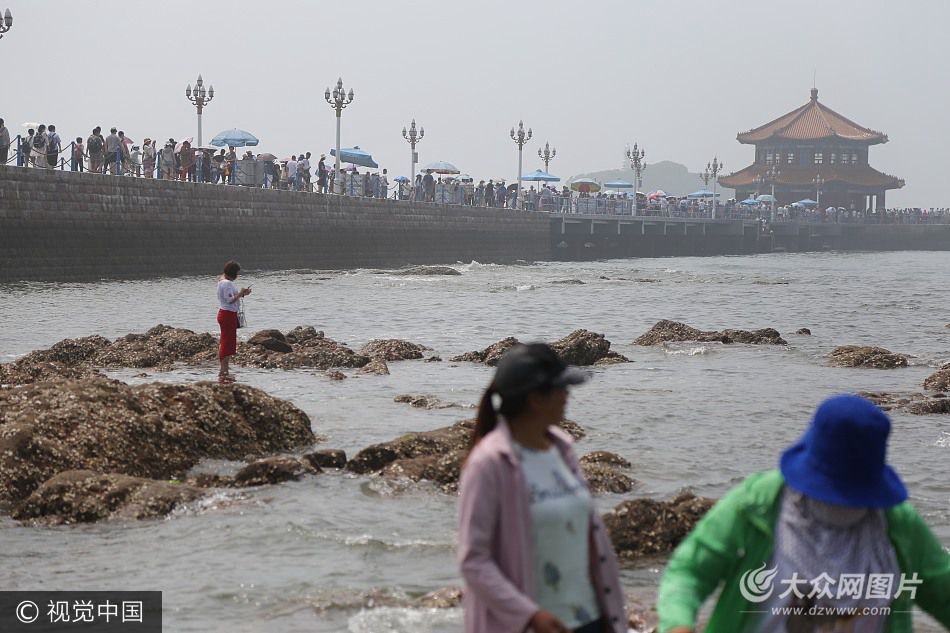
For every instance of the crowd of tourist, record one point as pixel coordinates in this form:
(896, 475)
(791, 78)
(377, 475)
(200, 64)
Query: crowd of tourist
(116, 154)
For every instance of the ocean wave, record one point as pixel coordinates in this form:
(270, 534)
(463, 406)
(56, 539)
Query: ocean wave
(702, 350)
(944, 440)
(405, 620)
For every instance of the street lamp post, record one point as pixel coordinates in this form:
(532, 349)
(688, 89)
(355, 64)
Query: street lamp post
(338, 100)
(547, 155)
(199, 97)
(521, 138)
(6, 22)
(413, 137)
(819, 182)
(638, 165)
(713, 169)
(771, 175)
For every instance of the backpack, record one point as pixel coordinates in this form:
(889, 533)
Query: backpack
(94, 145)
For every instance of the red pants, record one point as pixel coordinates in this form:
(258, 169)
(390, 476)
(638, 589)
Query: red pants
(228, 322)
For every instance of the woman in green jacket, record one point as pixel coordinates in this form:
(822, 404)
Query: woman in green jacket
(826, 544)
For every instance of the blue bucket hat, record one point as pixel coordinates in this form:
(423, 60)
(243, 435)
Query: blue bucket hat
(841, 458)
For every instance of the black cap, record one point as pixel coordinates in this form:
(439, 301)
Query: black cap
(525, 368)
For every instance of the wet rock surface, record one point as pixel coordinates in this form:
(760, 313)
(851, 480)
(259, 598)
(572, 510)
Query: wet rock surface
(272, 340)
(85, 496)
(939, 380)
(866, 356)
(424, 401)
(490, 355)
(376, 367)
(327, 458)
(427, 271)
(667, 331)
(646, 527)
(273, 470)
(393, 349)
(163, 346)
(604, 472)
(913, 403)
(156, 431)
(580, 347)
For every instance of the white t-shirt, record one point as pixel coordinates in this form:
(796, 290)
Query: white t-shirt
(560, 507)
(226, 292)
(292, 168)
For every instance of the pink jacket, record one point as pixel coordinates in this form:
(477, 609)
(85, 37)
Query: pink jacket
(495, 541)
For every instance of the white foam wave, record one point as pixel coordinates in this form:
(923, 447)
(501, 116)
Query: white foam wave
(405, 620)
(690, 351)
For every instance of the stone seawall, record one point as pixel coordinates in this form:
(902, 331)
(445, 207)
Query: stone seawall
(58, 225)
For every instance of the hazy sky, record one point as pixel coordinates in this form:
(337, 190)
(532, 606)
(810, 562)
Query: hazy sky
(681, 78)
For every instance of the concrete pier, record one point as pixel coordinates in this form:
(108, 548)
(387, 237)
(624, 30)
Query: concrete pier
(59, 226)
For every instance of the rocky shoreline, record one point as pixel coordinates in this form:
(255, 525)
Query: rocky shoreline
(77, 447)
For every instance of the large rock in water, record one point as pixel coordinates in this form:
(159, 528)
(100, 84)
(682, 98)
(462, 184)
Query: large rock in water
(580, 347)
(309, 348)
(646, 527)
(667, 331)
(156, 431)
(434, 456)
(274, 340)
(913, 403)
(84, 496)
(939, 380)
(865, 356)
(393, 349)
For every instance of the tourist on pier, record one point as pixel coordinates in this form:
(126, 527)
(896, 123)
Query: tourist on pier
(292, 173)
(322, 175)
(303, 165)
(186, 159)
(39, 144)
(148, 157)
(113, 152)
(480, 194)
(532, 548)
(125, 155)
(167, 161)
(53, 147)
(428, 185)
(501, 195)
(95, 147)
(833, 513)
(4, 143)
(78, 155)
(383, 185)
(230, 165)
(229, 305)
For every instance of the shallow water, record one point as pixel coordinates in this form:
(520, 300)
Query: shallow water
(292, 557)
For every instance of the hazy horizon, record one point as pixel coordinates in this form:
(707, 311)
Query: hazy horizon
(679, 78)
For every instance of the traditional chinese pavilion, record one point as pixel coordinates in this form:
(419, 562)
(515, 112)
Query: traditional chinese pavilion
(811, 148)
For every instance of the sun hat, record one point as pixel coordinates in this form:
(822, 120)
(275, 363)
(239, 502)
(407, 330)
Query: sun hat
(841, 459)
(525, 368)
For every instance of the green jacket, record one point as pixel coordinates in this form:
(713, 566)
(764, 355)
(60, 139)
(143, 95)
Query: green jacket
(736, 535)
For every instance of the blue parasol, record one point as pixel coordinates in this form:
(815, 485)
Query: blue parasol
(235, 138)
(765, 198)
(702, 193)
(619, 184)
(401, 179)
(539, 175)
(807, 202)
(750, 201)
(356, 156)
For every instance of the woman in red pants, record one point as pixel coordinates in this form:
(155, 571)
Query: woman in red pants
(229, 302)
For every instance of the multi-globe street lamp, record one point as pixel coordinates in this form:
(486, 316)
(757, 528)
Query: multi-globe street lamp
(819, 183)
(199, 97)
(547, 155)
(521, 138)
(712, 173)
(413, 137)
(638, 165)
(771, 175)
(338, 100)
(6, 22)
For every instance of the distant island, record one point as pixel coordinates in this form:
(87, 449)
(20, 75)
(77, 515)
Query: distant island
(673, 178)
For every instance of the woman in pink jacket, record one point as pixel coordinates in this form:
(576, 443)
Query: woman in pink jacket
(533, 551)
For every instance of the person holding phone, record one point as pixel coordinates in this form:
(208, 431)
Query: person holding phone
(229, 303)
